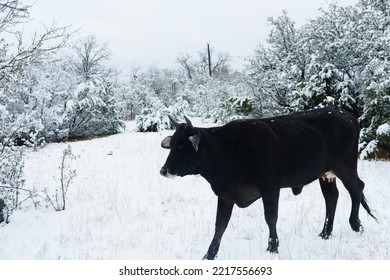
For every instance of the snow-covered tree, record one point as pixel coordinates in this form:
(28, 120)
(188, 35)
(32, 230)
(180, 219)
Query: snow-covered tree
(19, 104)
(338, 59)
(92, 109)
(153, 115)
(19, 62)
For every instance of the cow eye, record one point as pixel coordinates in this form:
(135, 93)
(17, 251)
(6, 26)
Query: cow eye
(181, 146)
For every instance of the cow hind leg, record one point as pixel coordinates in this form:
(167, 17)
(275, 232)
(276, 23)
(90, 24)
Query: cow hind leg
(224, 212)
(355, 188)
(331, 195)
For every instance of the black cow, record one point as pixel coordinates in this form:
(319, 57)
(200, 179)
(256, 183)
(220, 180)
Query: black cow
(248, 159)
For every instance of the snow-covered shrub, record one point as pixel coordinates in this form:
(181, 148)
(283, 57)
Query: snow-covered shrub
(151, 117)
(50, 104)
(153, 111)
(11, 179)
(375, 121)
(155, 117)
(67, 174)
(231, 109)
(239, 105)
(379, 148)
(383, 135)
(93, 111)
(11, 162)
(367, 151)
(150, 121)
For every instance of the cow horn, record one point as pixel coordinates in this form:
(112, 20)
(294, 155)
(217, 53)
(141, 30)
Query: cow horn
(188, 122)
(175, 123)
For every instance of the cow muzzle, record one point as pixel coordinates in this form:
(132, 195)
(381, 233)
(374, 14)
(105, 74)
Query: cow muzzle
(165, 172)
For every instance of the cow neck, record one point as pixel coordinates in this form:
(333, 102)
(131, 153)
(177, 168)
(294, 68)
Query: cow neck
(212, 162)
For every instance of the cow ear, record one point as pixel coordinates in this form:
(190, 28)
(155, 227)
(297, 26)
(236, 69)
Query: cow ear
(166, 143)
(195, 139)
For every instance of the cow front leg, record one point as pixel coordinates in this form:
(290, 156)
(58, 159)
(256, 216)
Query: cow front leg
(331, 195)
(224, 212)
(271, 204)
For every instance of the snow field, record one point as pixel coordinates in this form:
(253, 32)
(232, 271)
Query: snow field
(119, 207)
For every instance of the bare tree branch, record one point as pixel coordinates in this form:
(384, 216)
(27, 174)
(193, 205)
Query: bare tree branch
(13, 58)
(184, 61)
(89, 58)
(12, 12)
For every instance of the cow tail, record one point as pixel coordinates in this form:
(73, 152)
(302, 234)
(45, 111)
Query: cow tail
(368, 209)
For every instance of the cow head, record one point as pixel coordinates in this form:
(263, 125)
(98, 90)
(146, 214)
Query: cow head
(184, 145)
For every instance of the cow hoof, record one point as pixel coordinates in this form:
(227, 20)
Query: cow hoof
(357, 226)
(359, 229)
(209, 257)
(325, 235)
(273, 245)
(273, 250)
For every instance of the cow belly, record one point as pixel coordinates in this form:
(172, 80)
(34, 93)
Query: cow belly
(243, 203)
(300, 181)
(242, 196)
(297, 186)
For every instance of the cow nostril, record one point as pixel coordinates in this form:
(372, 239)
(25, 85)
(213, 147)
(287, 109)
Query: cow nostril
(166, 173)
(163, 171)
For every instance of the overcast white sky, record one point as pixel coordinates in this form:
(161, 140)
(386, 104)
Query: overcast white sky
(154, 32)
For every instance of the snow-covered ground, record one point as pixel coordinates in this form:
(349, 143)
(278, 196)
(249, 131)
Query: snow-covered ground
(119, 207)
